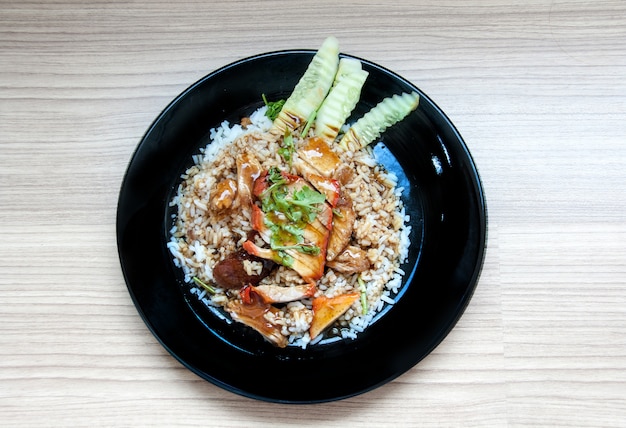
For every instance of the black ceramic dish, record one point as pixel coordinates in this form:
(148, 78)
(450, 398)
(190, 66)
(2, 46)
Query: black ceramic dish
(443, 196)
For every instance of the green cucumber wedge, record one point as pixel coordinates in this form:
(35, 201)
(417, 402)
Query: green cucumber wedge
(311, 89)
(388, 112)
(341, 99)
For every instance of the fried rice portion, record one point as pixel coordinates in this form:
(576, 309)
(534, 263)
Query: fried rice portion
(201, 236)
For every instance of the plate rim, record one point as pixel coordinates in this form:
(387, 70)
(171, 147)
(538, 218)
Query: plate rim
(477, 186)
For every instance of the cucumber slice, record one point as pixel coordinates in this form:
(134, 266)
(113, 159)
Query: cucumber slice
(341, 100)
(311, 89)
(388, 112)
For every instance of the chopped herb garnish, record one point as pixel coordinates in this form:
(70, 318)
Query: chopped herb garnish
(277, 179)
(285, 259)
(337, 212)
(302, 248)
(273, 107)
(309, 122)
(287, 215)
(287, 149)
(308, 199)
(296, 231)
(207, 287)
(363, 291)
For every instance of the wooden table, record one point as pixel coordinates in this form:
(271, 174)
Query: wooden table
(536, 88)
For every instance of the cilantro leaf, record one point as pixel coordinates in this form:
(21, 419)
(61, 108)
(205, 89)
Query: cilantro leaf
(308, 200)
(273, 107)
(277, 179)
(285, 259)
(302, 248)
(286, 151)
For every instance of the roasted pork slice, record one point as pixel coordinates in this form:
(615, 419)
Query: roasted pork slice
(307, 257)
(248, 170)
(223, 194)
(309, 266)
(343, 225)
(293, 220)
(319, 155)
(329, 187)
(326, 310)
(351, 260)
(271, 293)
(316, 232)
(256, 313)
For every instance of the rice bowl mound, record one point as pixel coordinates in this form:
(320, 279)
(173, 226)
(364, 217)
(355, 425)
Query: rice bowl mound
(202, 237)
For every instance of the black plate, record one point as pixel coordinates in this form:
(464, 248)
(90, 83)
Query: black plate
(443, 195)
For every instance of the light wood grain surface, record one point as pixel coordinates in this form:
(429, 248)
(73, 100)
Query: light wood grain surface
(536, 88)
